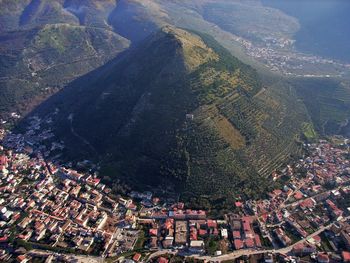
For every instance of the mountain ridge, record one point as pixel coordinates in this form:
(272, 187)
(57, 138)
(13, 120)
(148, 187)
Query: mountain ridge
(44, 47)
(149, 86)
(176, 108)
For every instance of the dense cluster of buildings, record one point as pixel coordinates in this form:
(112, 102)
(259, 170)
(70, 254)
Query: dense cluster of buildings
(308, 216)
(280, 56)
(312, 204)
(54, 206)
(178, 228)
(46, 205)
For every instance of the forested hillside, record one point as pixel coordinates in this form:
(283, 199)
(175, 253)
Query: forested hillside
(180, 108)
(46, 44)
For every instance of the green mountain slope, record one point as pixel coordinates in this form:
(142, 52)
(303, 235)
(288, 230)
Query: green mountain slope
(175, 109)
(328, 103)
(180, 108)
(10, 13)
(44, 45)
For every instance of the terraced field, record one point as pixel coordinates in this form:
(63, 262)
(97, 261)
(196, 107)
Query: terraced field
(267, 122)
(327, 101)
(182, 111)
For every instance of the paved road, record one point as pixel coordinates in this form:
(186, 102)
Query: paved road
(231, 256)
(247, 252)
(78, 258)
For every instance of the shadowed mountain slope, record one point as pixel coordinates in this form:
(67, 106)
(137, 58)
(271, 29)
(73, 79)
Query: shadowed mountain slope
(180, 108)
(46, 44)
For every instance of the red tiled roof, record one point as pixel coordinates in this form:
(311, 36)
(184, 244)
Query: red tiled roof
(346, 256)
(193, 236)
(307, 203)
(249, 242)
(298, 195)
(246, 226)
(236, 235)
(162, 260)
(246, 218)
(202, 232)
(299, 246)
(264, 217)
(137, 257)
(322, 257)
(153, 232)
(238, 204)
(21, 258)
(168, 224)
(3, 160)
(211, 223)
(16, 216)
(132, 206)
(193, 233)
(317, 239)
(21, 236)
(238, 244)
(277, 192)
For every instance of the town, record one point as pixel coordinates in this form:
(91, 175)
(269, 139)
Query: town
(53, 212)
(280, 55)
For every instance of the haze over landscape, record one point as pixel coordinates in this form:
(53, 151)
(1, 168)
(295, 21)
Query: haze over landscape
(324, 26)
(174, 131)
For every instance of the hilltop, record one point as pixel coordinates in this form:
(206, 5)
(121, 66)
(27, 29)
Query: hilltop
(180, 110)
(137, 93)
(47, 44)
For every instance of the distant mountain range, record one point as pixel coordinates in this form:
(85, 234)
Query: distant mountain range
(160, 93)
(44, 45)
